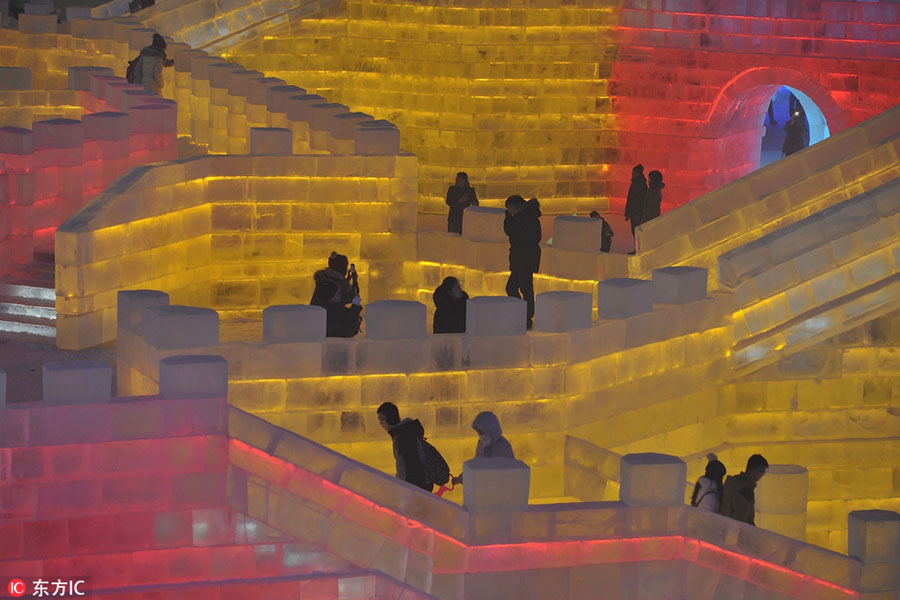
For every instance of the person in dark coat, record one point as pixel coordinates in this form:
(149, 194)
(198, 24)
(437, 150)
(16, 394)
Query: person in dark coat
(409, 453)
(335, 289)
(738, 495)
(606, 232)
(450, 307)
(793, 140)
(491, 442)
(459, 196)
(653, 199)
(522, 224)
(637, 192)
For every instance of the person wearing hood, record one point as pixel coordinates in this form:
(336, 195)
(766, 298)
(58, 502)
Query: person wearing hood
(450, 307)
(738, 496)
(653, 200)
(334, 291)
(460, 196)
(409, 453)
(522, 224)
(637, 192)
(149, 69)
(491, 443)
(708, 490)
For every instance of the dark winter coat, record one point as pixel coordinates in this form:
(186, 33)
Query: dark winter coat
(637, 192)
(458, 198)
(793, 141)
(333, 293)
(450, 312)
(652, 203)
(739, 498)
(409, 453)
(524, 231)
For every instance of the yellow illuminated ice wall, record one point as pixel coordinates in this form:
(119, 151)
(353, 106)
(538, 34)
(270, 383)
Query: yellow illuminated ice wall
(797, 358)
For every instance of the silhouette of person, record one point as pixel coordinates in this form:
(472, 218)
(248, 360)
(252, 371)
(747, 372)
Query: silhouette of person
(793, 140)
(450, 307)
(653, 201)
(459, 196)
(637, 192)
(522, 225)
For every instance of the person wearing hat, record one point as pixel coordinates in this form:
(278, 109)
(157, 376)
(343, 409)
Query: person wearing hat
(149, 69)
(334, 292)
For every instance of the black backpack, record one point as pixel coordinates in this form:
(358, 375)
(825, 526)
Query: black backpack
(132, 66)
(435, 466)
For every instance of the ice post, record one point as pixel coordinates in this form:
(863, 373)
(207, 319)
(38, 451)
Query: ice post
(781, 498)
(651, 479)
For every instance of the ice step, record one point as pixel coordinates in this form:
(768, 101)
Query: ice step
(35, 308)
(20, 291)
(11, 324)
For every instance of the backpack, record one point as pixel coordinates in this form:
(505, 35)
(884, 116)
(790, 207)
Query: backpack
(132, 67)
(435, 466)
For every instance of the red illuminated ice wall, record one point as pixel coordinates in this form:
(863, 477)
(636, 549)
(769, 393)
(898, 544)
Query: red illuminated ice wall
(694, 79)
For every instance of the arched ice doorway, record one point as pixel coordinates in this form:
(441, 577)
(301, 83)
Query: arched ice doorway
(784, 104)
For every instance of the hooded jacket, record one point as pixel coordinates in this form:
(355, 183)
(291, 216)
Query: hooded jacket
(333, 293)
(458, 199)
(409, 454)
(739, 498)
(148, 71)
(450, 312)
(637, 192)
(524, 232)
(652, 201)
(491, 443)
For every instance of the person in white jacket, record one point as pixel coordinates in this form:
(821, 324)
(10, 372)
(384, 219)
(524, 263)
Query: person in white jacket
(149, 69)
(708, 490)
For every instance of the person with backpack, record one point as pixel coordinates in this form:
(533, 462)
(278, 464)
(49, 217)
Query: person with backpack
(491, 443)
(417, 461)
(708, 490)
(147, 68)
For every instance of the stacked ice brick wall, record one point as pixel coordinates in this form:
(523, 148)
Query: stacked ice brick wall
(513, 93)
(693, 80)
(21, 104)
(236, 233)
(568, 376)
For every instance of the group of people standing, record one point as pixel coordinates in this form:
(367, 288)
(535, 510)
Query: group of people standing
(644, 197)
(736, 497)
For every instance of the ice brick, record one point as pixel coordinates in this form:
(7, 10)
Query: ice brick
(80, 77)
(396, 319)
(495, 316)
(651, 479)
(77, 382)
(58, 133)
(275, 141)
(377, 138)
(622, 297)
(176, 326)
(874, 535)
(130, 305)
(2, 388)
(679, 285)
(195, 376)
(562, 311)
(393, 356)
(783, 489)
(484, 224)
(15, 78)
(16, 140)
(293, 323)
(495, 483)
(579, 234)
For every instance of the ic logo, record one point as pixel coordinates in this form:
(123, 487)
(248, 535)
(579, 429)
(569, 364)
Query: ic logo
(16, 588)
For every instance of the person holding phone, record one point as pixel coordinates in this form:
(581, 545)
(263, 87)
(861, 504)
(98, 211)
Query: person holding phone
(337, 291)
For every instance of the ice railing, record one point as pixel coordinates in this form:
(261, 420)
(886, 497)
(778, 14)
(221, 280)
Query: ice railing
(236, 232)
(815, 278)
(93, 461)
(218, 102)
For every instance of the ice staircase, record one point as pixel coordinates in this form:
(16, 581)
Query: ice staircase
(28, 301)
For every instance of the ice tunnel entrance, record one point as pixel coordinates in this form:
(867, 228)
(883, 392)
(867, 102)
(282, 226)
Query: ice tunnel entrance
(788, 100)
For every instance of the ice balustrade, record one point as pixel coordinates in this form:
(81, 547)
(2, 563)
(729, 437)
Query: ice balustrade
(466, 92)
(807, 281)
(565, 376)
(236, 233)
(285, 491)
(21, 104)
